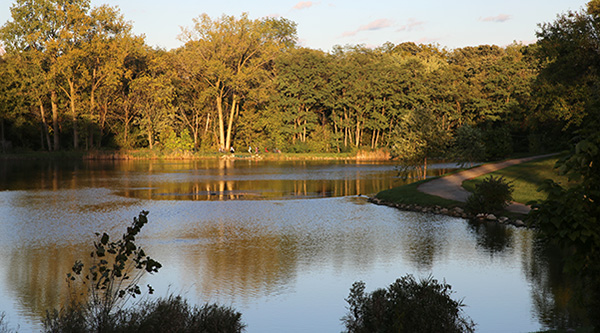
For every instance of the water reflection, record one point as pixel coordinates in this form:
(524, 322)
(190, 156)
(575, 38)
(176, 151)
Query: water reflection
(213, 179)
(37, 277)
(560, 302)
(237, 232)
(492, 236)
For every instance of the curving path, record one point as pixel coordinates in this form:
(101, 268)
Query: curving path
(450, 187)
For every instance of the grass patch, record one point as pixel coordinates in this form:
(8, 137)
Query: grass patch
(526, 178)
(408, 194)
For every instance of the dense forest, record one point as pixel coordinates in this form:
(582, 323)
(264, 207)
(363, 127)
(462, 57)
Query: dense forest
(75, 77)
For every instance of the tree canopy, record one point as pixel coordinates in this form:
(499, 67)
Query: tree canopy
(76, 77)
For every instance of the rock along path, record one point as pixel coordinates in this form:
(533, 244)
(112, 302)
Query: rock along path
(450, 187)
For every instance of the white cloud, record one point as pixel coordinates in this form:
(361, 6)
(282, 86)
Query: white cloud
(304, 5)
(375, 25)
(498, 18)
(411, 25)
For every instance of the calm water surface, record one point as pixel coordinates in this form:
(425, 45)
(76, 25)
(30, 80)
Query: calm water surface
(282, 242)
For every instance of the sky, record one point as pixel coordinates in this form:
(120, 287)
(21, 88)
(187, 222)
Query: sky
(324, 24)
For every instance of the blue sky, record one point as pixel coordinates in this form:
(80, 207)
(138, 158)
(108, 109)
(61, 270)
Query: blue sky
(325, 23)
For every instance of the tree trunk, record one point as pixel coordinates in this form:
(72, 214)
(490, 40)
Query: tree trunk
(373, 139)
(73, 114)
(221, 121)
(54, 103)
(45, 126)
(304, 132)
(357, 133)
(230, 122)
(92, 107)
(345, 129)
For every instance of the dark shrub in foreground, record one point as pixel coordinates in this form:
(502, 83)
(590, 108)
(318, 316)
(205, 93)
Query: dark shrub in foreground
(492, 195)
(172, 314)
(405, 306)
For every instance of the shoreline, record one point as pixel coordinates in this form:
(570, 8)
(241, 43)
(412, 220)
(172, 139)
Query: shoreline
(456, 211)
(141, 155)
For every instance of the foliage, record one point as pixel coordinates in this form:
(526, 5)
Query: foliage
(492, 195)
(233, 58)
(570, 216)
(406, 306)
(173, 142)
(175, 314)
(172, 314)
(468, 145)
(498, 143)
(526, 178)
(567, 87)
(112, 276)
(419, 138)
(237, 81)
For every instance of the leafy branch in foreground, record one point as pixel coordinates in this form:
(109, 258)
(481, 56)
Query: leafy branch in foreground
(112, 277)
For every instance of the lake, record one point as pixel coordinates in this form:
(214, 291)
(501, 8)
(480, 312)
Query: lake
(281, 242)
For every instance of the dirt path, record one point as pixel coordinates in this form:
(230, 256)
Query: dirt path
(450, 187)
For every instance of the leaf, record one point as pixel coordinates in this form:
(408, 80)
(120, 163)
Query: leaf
(104, 239)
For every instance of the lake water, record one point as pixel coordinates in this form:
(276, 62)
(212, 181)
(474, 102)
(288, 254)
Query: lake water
(281, 242)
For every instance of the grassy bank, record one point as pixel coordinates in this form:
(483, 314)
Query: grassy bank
(148, 154)
(408, 194)
(526, 178)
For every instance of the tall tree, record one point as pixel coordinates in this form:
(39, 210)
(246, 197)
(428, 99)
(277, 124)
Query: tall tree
(569, 82)
(301, 84)
(234, 55)
(108, 43)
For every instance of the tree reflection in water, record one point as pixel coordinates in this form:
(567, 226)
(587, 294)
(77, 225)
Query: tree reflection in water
(235, 229)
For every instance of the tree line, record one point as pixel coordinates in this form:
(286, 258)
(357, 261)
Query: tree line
(75, 77)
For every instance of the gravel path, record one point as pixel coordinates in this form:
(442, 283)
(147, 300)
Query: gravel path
(450, 187)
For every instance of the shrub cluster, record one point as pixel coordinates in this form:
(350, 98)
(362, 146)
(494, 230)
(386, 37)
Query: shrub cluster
(405, 306)
(172, 314)
(492, 195)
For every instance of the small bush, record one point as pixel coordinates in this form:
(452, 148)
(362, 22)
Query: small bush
(492, 195)
(405, 306)
(172, 314)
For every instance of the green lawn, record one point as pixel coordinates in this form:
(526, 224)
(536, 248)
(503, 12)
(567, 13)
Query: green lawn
(408, 194)
(526, 178)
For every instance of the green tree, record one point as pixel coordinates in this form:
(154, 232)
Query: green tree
(194, 100)
(570, 215)
(418, 138)
(42, 28)
(106, 47)
(301, 81)
(492, 195)
(468, 145)
(152, 93)
(67, 52)
(567, 88)
(235, 55)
